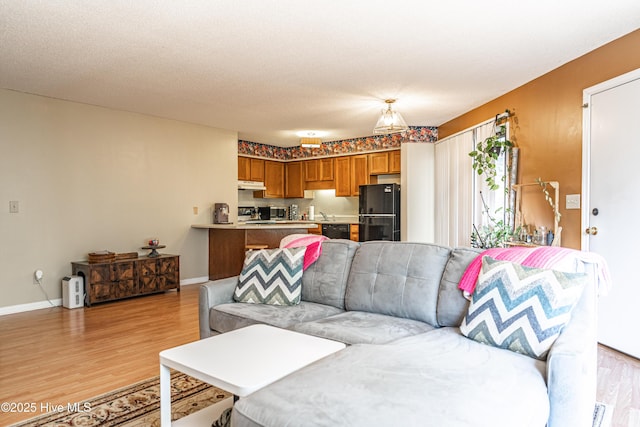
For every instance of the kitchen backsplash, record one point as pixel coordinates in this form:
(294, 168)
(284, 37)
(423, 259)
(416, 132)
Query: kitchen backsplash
(343, 208)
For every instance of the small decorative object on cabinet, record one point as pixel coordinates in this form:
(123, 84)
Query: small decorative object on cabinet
(108, 281)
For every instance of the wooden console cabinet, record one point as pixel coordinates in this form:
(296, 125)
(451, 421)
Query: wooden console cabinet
(127, 278)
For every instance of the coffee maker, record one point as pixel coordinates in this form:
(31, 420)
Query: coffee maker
(221, 213)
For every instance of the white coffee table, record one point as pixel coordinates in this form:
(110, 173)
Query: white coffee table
(241, 361)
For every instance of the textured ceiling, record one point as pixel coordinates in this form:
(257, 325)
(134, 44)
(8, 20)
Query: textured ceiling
(271, 68)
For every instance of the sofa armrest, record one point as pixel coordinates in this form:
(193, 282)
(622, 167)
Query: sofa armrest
(572, 366)
(213, 293)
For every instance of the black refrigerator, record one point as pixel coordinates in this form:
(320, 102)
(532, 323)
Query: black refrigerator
(379, 212)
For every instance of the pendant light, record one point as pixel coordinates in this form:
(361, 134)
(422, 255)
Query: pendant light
(390, 121)
(310, 140)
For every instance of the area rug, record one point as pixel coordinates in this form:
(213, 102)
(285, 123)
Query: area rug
(137, 405)
(602, 415)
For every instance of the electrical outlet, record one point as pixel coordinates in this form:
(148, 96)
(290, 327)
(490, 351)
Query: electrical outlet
(195, 210)
(37, 276)
(573, 201)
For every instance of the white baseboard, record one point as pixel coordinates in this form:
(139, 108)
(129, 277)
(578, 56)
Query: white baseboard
(12, 309)
(194, 281)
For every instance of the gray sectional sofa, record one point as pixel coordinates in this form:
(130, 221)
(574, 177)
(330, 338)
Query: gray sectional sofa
(398, 308)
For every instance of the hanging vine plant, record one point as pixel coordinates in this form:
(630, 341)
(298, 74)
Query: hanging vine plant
(486, 155)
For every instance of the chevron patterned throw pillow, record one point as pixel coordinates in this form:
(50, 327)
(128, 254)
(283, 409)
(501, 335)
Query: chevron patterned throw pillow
(271, 276)
(522, 309)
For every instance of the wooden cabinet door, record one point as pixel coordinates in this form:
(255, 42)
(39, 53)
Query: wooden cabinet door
(169, 269)
(326, 169)
(312, 170)
(124, 285)
(394, 161)
(244, 168)
(257, 170)
(354, 232)
(343, 176)
(359, 173)
(274, 179)
(294, 185)
(148, 276)
(378, 163)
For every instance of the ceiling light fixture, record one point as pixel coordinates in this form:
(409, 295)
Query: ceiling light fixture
(390, 121)
(310, 141)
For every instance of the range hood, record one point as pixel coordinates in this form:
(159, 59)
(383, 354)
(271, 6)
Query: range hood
(251, 185)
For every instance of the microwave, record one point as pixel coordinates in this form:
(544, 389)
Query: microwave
(273, 213)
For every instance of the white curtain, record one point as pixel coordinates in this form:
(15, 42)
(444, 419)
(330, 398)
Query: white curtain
(454, 190)
(458, 188)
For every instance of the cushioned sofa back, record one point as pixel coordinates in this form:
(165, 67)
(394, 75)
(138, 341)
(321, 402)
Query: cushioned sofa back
(397, 278)
(325, 280)
(452, 306)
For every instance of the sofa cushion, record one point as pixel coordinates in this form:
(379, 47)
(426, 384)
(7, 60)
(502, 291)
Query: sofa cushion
(227, 317)
(325, 281)
(357, 327)
(397, 278)
(271, 276)
(439, 378)
(519, 308)
(452, 306)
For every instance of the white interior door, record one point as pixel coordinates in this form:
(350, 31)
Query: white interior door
(611, 196)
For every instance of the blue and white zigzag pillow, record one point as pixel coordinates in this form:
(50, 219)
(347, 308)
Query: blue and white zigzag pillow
(271, 276)
(522, 309)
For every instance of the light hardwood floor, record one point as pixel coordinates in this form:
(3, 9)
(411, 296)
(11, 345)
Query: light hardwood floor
(64, 356)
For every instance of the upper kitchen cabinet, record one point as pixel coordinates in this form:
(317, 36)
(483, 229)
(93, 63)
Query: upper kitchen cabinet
(273, 180)
(379, 163)
(386, 162)
(350, 173)
(319, 174)
(360, 173)
(294, 185)
(394, 161)
(343, 176)
(250, 169)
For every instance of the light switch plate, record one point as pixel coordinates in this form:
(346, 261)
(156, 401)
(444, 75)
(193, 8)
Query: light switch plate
(14, 206)
(573, 201)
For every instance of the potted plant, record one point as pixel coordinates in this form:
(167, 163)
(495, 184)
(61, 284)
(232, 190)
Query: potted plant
(495, 233)
(487, 153)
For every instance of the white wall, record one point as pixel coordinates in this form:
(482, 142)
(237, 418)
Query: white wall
(89, 178)
(417, 193)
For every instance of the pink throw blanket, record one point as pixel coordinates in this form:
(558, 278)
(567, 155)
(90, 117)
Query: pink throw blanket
(312, 242)
(551, 257)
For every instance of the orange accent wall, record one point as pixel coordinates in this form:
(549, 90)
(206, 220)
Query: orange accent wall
(547, 126)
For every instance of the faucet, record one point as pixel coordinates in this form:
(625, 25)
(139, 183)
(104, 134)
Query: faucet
(324, 216)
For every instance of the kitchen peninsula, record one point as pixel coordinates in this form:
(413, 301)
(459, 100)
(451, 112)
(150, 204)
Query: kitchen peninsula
(228, 242)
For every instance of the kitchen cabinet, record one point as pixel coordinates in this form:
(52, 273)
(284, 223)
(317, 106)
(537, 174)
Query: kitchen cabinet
(379, 163)
(359, 173)
(354, 232)
(317, 230)
(294, 186)
(250, 169)
(319, 174)
(386, 162)
(343, 176)
(350, 173)
(274, 179)
(319, 170)
(395, 161)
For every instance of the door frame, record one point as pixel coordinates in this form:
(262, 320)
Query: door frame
(586, 145)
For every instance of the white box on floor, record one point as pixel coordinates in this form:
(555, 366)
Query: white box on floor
(72, 292)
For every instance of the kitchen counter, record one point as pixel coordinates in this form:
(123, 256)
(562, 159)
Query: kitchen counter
(263, 226)
(228, 242)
